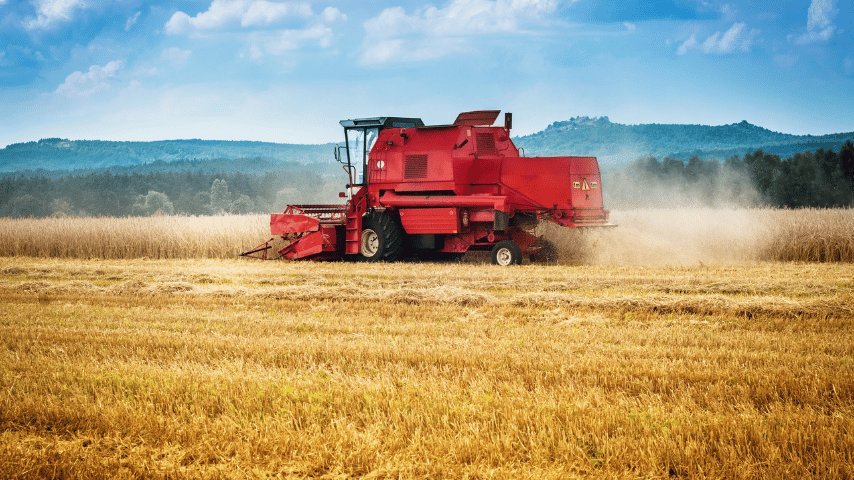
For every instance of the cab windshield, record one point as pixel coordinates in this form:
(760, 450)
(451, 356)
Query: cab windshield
(359, 144)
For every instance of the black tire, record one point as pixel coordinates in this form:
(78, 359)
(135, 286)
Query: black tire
(547, 252)
(506, 252)
(381, 239)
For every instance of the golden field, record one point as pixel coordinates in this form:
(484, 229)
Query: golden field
(637, 358)
(663, 236)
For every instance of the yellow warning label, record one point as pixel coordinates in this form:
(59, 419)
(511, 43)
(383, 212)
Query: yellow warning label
(576, 184)
(585, 186)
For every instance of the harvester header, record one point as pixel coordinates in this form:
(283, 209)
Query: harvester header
(440, 191)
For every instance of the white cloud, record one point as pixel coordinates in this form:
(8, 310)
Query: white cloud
(736, 38)
(431, 32)
(819, 21)
(459, 17)
(821, 14)
(132, 21)
(51, 12)
(331, 14)
(265, 27)
(687, 45)
(231, 14)
(630, 27)
(93, 81)
(175, 55)
(293, 39)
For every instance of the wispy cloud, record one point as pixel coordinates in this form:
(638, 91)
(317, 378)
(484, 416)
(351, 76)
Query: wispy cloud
(688, 44)
(738, 37)
(131, 21)
(52, 12)
(459, 17)
(234, 14)
(394, 31)
(93, 81)
(820, 25)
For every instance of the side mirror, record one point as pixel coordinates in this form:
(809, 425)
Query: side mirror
(337, 154)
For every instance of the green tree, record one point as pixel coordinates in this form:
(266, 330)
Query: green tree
(193, 204)
(28, 206)
(846, 163)
(153, 203)
(62, 208)
(242, 204)
(220, 197)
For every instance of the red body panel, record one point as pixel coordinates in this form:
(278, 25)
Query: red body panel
(430, 220)
(281, 224)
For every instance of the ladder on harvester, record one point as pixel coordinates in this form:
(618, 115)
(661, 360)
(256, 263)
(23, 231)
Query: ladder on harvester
(353, 236)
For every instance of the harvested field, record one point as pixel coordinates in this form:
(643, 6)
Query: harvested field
(249, 369)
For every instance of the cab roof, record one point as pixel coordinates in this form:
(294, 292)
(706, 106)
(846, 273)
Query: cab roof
(479, 117)
(382, 122)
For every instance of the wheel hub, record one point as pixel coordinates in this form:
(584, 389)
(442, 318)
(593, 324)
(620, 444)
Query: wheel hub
(370, 243)
(504, 256)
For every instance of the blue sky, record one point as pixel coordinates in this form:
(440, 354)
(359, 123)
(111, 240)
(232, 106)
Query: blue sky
(287, 71)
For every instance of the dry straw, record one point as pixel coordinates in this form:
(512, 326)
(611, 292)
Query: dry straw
(663, 236)
(230, 369)
(156, 237)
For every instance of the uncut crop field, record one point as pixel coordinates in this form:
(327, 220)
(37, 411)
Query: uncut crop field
(642, 355)
(662, 237)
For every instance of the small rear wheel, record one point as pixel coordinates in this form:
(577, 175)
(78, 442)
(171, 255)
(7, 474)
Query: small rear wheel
(506, 252)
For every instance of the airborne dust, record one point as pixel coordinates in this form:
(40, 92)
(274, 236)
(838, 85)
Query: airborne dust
(667, 221)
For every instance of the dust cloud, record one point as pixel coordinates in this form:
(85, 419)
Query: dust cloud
(681, 236)
(671, 213)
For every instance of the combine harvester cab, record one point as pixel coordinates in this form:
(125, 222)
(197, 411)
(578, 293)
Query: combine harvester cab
(440, 191)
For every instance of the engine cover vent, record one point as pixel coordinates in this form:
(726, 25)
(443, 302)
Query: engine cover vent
(486, 144)
(415, 166)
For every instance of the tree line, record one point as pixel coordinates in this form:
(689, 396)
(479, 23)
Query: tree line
(823, 179)
(187, 193)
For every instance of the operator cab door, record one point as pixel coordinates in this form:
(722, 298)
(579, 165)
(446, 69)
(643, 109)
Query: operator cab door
(360, 141)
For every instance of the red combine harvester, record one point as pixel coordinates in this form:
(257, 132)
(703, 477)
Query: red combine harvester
(440, 191)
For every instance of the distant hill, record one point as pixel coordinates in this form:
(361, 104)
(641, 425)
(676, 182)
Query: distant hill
(612, 143)
(62, 154)
(618, 143)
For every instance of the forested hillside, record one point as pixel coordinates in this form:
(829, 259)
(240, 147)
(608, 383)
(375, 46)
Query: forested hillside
(62, 154)
(121, 191)
(618, 143)
(642, 166)
(612, 143)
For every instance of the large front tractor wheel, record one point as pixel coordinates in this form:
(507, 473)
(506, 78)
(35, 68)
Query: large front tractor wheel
(381, 238)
